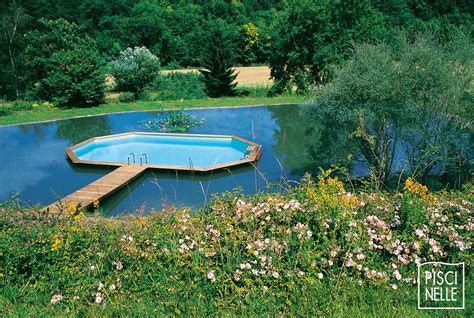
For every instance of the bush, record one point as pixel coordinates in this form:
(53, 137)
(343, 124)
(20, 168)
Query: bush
(134, 69)
(176, 85)
(269, 253)
(64, 65)
(126, 97)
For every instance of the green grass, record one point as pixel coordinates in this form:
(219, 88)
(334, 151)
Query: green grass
(29, 116)
(178, 262)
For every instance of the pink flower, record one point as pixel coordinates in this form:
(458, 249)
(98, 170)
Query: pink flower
(56, 298)
(211, 276)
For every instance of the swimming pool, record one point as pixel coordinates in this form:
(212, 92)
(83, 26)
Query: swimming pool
(166, 151)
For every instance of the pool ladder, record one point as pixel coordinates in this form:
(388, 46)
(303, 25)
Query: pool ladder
(131, 155)
(143, 155)
(131, 158)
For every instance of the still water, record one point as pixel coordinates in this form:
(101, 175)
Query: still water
(36, 170)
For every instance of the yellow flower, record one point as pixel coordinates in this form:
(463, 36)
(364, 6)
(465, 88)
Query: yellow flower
(96, 203)
(72, 209)
(418, 189)
(56, 243)
(79, 216)
(34, 105)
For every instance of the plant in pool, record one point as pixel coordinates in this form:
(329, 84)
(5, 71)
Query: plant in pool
(177, 121)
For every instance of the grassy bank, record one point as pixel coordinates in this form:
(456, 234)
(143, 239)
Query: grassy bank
(44, 114)
(316, 250)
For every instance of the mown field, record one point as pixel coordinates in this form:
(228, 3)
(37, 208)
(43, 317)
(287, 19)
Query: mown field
(247, 75)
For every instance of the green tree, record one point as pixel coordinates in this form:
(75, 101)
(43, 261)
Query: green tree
(63, 65)
(217, 60)
(13, 21)
(310, 37)
(409, 95)
(134, 69)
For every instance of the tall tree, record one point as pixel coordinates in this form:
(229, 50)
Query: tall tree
(218, 75)
(312, 36)
(13, 23)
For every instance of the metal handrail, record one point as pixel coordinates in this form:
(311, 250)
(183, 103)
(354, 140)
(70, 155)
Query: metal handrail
(141, 158)
(131, 155)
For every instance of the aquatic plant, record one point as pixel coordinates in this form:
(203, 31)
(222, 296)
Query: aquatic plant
(176, 121)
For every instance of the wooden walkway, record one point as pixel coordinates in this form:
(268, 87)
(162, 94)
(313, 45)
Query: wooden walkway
(99, 188)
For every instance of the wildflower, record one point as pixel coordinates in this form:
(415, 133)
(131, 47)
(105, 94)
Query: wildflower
(56, 298)
(211, 276)
(100, 286)
(237, 275)
(320, 275)
(34, 105)
(275, 275)
(397, 275)
(75, 297)
(394, 287)
(112, 287)
(118, 265)
(95, 203)
(98, 298)
(56, 243)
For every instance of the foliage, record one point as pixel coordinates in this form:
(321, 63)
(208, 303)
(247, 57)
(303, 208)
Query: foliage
(126, 97)
(293, 253)
(218, 76)
(13, 22)
(134, 69)
(409, 94)
(175, 85)
(309, 39)
(64, 66)
(176, 121)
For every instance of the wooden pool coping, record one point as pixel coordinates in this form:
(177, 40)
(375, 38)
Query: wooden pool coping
(111, 182)
(254, 153)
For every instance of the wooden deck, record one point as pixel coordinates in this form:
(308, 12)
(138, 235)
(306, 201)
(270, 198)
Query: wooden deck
(99, 188)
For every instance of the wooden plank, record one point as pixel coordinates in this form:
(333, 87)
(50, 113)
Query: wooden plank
(99, 189)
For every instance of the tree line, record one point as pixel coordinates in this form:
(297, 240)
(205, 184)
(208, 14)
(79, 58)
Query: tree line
(302, 40)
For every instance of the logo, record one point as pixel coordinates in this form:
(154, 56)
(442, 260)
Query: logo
(441, 285)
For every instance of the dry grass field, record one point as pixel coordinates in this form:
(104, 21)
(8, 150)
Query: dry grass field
(247, 76)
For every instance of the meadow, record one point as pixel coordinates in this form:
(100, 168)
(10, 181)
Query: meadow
(319, 249)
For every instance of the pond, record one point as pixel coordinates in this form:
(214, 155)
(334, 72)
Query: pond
(36, 170)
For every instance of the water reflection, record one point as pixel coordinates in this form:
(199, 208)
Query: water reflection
(35, 165)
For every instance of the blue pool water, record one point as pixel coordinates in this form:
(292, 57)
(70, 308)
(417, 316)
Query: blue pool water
(169, 150)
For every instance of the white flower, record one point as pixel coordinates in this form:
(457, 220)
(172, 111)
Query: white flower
(320, 275)
(118, 265)
(98, 298)
(100, 286)
(395, 287)
(211, 276)
(275, 275)
(112, 287)
(56, 298)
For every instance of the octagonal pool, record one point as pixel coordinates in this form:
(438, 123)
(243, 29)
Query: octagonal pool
(166, 151)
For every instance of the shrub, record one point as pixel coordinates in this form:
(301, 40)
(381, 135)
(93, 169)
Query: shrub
(64, 65)
(126, 97)
(176, 85)
(270, 252)
(134, 69)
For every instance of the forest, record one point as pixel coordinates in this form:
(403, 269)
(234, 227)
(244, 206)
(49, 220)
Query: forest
(301, 41)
